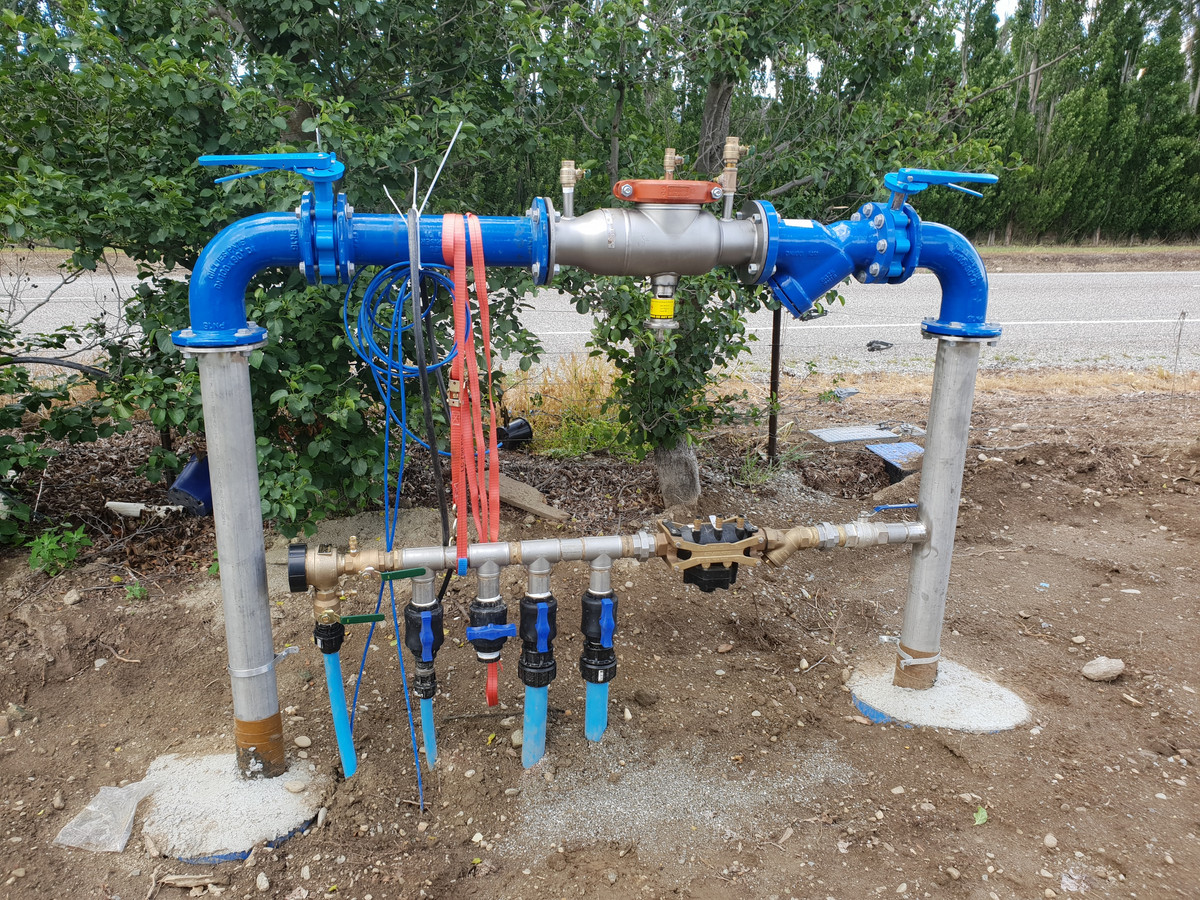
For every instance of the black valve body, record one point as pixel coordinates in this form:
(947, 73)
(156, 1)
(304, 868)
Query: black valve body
(597, 663)
(412, 629)
(483, 614)
(328, 636)
(537, 668)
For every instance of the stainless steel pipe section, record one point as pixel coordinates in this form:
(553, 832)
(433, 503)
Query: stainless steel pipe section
(539, 579)
(237, 517)
(640, 545)
(655, 238)
(941, 487)
(600, 576)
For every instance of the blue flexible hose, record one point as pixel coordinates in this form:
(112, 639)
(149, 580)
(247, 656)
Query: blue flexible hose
(595, 715)
(427, 731)
(534, 746)
(341, 718)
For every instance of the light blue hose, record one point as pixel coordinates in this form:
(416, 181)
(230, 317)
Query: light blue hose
(534, 746)
(427, 731)
(595, 715)
(341, 717)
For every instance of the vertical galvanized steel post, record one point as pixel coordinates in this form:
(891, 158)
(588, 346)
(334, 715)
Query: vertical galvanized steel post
(941, 486)
(237, 516)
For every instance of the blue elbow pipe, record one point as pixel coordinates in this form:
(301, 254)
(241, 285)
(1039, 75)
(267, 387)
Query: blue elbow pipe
(963, 278)
(533, 747)
(341, 716)
(427, 731)
(217, 293)
(595, 715)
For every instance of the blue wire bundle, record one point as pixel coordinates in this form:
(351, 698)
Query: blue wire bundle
(392, 287)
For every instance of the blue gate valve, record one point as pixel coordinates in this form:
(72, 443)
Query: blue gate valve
(325, 244)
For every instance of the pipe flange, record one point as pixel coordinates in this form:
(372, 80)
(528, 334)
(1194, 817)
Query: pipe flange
(761, 266)
(543, 223)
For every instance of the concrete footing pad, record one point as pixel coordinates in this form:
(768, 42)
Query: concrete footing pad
(959, 701)
(203, 811)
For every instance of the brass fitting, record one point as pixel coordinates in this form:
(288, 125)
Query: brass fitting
(568, 175)
(733, 154)
(782, 544)
(670, 160)
(681, 554)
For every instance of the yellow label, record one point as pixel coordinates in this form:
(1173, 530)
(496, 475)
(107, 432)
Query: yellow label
(662, 307)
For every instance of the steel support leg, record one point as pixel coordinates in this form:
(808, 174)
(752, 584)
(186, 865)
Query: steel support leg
(237, 515)
(941, 486)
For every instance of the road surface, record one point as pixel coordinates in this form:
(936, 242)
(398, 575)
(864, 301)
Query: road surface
(1107, 319)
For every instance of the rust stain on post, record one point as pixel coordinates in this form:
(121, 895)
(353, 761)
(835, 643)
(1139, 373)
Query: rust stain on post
(260, 747)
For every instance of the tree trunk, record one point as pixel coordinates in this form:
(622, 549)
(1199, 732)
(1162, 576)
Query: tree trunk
(678, 475)
(714, 127)
(614, 129)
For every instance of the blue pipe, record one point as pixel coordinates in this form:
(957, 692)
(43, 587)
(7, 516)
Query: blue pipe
(813, 259)
(380, 240)
(427, 731)
(341, 717)
(534, 746)
(217, 292)
(595, 716)
(217, 295)
(963, 278)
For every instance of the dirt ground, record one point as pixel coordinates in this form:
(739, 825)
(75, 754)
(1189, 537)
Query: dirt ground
(733, 764)
(1054, 258)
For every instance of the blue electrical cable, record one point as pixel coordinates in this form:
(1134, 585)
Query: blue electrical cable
(388, 370)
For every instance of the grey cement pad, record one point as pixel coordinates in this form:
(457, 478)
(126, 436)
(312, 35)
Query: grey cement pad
(960, 700)
(202, 810)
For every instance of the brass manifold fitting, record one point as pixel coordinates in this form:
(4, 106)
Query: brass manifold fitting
(324, 566)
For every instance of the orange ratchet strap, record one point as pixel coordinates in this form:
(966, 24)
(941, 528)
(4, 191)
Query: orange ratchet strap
(476, 478)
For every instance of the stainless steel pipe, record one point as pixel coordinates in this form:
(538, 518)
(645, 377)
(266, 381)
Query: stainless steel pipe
(652, 239)
(237, 517)
(954, 373)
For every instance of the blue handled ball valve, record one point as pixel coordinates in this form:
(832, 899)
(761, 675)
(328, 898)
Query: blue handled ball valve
(538, 628)
(424, 634)
(598, 660)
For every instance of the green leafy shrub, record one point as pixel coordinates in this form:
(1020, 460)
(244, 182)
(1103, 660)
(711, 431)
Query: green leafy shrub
(56, 549)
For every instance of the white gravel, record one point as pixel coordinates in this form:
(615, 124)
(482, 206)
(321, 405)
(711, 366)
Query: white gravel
(669, 803)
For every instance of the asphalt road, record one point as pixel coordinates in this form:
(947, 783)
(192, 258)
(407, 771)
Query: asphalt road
(1106, 319)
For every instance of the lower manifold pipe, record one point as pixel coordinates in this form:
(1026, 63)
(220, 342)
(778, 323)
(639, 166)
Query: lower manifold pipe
(328, 637)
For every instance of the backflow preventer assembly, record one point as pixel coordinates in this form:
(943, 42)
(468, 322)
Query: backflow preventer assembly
(664, 233)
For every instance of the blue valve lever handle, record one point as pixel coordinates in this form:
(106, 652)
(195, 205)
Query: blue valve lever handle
(316, 167)
(913, 181)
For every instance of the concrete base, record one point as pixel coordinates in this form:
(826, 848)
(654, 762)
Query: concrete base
(960, 700)
(202, 811)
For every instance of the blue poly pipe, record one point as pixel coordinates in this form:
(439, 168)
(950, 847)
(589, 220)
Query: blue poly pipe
(427, 731)
(534, 746)
(595, 716)
(341, 717)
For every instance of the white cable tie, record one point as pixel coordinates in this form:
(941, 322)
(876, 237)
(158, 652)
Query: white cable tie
(436, 174)
(906, 659)
(393, 202)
